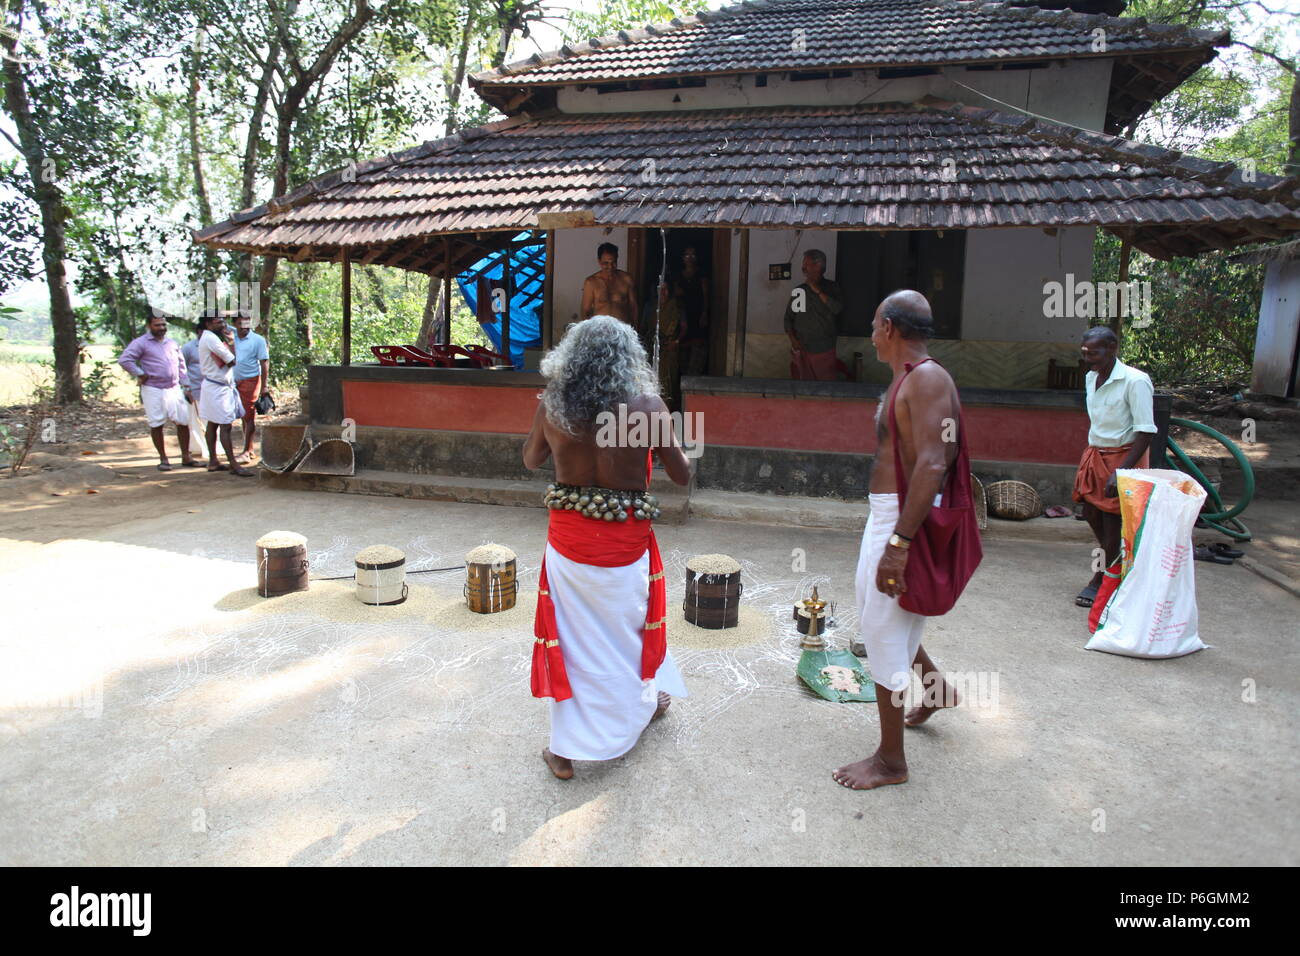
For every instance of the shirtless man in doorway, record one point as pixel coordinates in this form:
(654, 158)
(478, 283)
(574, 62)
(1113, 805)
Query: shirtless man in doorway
(609, 291)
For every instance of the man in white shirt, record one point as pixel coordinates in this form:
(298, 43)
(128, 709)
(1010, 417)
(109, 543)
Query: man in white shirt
(219, 403)
(1121, 413)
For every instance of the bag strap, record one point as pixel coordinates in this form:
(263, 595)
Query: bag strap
(962, 461)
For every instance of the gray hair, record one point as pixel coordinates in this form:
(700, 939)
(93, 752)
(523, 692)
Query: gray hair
(817, 256)
(598, 365)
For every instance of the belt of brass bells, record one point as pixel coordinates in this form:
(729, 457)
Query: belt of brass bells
(602, 504)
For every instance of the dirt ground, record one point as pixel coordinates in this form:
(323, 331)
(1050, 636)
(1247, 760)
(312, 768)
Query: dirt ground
(153, 709)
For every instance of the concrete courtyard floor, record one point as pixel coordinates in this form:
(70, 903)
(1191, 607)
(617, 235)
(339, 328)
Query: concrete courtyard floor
(154, 710)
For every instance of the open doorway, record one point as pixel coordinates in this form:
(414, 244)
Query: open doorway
(679, 318)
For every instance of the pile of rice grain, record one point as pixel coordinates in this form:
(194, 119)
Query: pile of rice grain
(280, 539)
(713, 564)
(379, 554)
(753, 626)
(490, 553)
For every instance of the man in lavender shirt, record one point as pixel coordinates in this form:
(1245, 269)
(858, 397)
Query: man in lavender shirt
(154, 360)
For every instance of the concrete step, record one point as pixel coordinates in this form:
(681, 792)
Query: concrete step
(674, 504)
(791, 511)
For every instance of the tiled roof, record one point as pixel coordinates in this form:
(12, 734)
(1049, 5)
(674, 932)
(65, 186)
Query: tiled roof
(761, 36)
(932, 165)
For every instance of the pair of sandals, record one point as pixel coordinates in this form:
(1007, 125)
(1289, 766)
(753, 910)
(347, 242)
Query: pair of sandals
(238, 472)
(168, 466)
(1218, 553)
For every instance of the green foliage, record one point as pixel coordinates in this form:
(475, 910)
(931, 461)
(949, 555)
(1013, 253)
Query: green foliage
(1203, 318)
(387, 309)
(1235, 107)
(95, 385)
(615, 15)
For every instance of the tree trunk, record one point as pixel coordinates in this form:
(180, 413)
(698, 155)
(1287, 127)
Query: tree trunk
(431, 321)
(49, 199)
(196, 151)
(1293, 128)
(249, 170)
(287, 113)
(302, 313)
(376, 290)
(458, 79)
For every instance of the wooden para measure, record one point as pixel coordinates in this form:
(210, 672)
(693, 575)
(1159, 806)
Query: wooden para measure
(712, 600)
(490, 586)
(282, 563)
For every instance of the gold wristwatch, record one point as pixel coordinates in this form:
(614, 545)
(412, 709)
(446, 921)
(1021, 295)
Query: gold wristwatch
(896, 540)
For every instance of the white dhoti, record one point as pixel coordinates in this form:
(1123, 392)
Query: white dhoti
(163, 405)
(198, 447)
(219, 402)
(600, 614)
(890, 634)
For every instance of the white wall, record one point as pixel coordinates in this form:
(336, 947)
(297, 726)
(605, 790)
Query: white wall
(575, 259)
(1002, 291)
(1071, 91)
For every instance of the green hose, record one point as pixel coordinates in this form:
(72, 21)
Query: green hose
(1223, 519)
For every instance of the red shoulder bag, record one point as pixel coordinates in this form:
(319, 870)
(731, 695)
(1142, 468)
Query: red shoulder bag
(946, 549)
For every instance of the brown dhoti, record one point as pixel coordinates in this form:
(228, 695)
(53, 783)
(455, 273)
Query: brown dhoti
(1095, 468)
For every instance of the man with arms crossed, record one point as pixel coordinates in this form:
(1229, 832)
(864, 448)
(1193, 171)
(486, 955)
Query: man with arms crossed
(219, 403)
(925, 406)
(811, 319)
(600, 649)
(252, 372)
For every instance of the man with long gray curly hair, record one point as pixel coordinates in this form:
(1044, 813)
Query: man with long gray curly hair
(601, 651)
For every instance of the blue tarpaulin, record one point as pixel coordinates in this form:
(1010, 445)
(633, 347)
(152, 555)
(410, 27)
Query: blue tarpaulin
(528, 270)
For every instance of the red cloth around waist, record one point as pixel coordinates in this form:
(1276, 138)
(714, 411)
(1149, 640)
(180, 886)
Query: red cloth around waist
(605, 544)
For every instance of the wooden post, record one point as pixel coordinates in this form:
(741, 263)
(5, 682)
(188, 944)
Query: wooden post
(742, 302)
(446, 292)
(635, 266)
(347, 308)
(548, 293)
(1116, 322)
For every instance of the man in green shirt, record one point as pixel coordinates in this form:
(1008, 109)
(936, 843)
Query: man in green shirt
(810, 321)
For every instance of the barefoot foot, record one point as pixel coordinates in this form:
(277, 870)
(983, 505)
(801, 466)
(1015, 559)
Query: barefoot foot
(562, 767)
(869, 774)
(920, 714)
(664, 702)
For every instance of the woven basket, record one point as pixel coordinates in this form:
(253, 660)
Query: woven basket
(981, 503)
(1014, 500)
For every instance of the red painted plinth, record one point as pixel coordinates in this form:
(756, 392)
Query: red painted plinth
(995, 432)
(461, 408)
